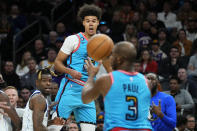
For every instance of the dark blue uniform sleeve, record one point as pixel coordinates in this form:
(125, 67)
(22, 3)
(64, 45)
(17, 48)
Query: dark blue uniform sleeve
(170, 115)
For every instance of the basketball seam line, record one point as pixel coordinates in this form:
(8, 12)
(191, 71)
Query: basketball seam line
(98, 46)
(109, 47)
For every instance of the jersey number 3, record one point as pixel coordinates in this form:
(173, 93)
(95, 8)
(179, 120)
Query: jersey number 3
(133, 108)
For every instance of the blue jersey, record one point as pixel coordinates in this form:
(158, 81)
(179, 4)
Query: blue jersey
(168, 107)
(127, 102)
(77, 58)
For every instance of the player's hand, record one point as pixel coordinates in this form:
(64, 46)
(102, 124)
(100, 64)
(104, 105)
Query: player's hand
(157, 109)
(58, 121)
(75, 74)
(5, 107)
(92, 70)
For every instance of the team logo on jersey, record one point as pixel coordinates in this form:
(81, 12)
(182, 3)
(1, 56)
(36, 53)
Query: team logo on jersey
(82, 38)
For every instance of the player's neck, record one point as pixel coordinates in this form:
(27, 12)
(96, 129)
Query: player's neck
(87, 35)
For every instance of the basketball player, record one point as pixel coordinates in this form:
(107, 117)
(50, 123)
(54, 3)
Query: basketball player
(7, 111)
(75, 52)
(35, 116)
(126, 93)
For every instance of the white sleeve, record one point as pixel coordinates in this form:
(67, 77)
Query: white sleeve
(70, 44)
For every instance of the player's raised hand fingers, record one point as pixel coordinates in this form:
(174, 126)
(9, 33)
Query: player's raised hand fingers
(90, 61)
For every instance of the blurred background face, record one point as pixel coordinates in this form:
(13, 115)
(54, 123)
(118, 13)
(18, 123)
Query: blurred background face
(9, 67)
(20, 103)
(162, 35)
(174, 86)
(134, 41)
(13, 96)
(191, 123)
(39, 44)
(26, 55)
(182, 35)
(152, 16)
(31, 65)
(174, 53)
(73, 127)
(53, 36)
(54, 88)
(25, 94)
(182, 74)
(52, 55)
(145, 55)
(60, 28)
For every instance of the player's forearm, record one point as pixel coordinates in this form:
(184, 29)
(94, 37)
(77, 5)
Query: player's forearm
(59, 66)
(87, 95)
(107, 65)
(16, 120)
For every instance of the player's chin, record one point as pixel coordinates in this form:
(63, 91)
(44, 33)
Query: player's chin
(47, 91)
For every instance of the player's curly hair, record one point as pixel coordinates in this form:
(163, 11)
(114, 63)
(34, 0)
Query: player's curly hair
(89, 10)
(40, 72)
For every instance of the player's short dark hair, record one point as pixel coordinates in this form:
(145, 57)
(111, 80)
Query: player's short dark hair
(44, 71)
(89, 10)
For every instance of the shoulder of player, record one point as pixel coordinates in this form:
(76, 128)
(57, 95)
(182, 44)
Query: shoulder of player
(72, 38)
(38, 101)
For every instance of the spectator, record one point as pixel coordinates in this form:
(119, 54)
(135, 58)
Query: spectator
(137, 20)
(166, 112)
(147, 64)
(49, 62)
(137, 66)
(163, 42)
(183, 44)
(187, 84)
(130, 31)
(169, 66)
(184, 102)
(29, 79)
(143, 36)
(117, 27)
(186, 12)
(192, 65)
(12, 93)
(25, 94)
(9, 75)
(142, 9)
(70, 126)
(152, 18)
(191, 123)
(61, 30)
(39, 52)
(16, 19)
(20, 102)
(126, 13)
(52, 38)
(191, 29)
(59, 42)
(168, 17)
(181, 123)
(22, 68)
(156, 53)
(103, 28)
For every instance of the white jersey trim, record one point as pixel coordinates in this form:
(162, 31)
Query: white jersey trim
(70, 44)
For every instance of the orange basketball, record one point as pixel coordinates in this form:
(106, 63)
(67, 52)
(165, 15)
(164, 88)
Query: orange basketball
(99, 46)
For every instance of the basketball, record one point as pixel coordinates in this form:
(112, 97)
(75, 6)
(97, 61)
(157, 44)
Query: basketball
(99, 46)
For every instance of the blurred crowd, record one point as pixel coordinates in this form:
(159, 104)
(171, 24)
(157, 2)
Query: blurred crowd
(163, 32)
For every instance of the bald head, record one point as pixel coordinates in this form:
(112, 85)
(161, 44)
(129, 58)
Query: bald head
(126, 50)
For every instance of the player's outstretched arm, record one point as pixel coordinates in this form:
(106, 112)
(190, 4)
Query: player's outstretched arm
(59, 66)
(92, 89)
(38, 105)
